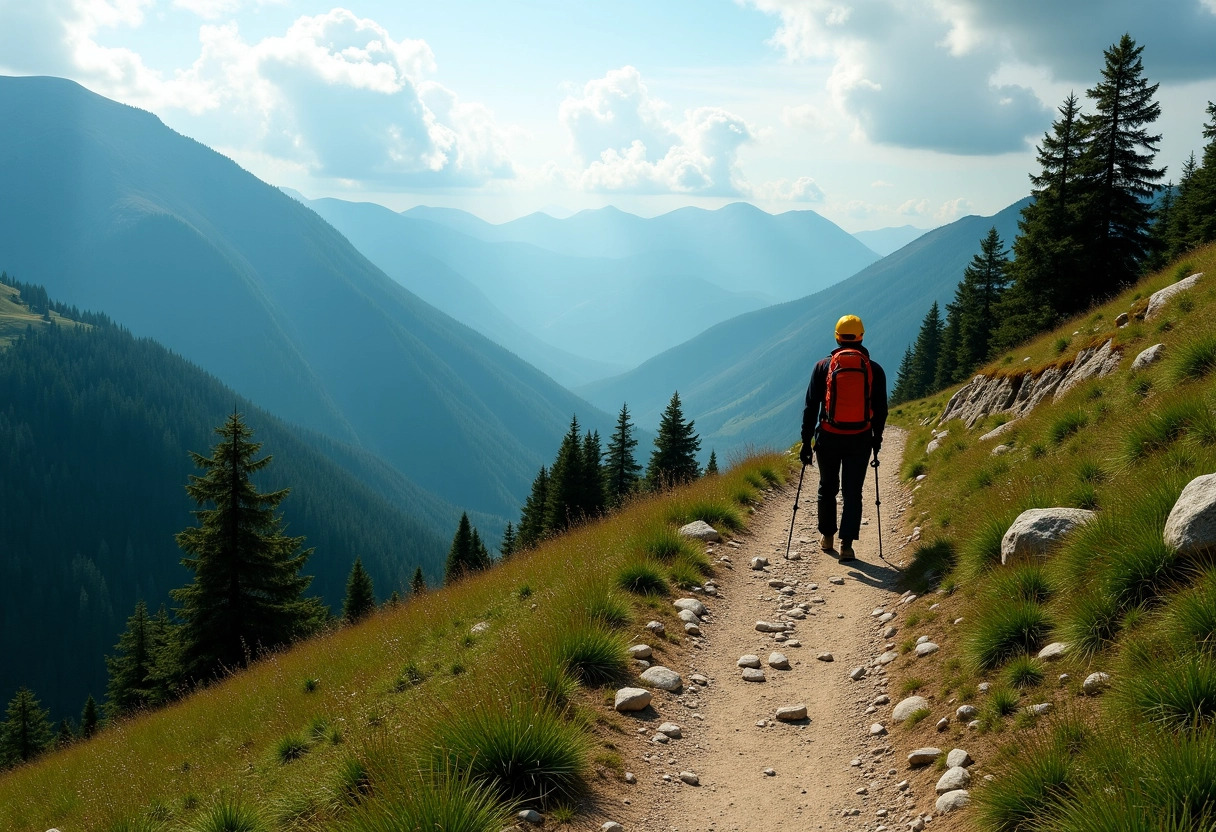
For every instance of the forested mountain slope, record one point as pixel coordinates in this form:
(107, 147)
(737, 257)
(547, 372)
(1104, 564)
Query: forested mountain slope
(95, 432)
(743, 381)
(111, 210)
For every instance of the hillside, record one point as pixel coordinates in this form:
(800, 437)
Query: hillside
(884, 241)
(744, 380)
(601, 285)
(95, 433)
(1089, 662)
(111, 210)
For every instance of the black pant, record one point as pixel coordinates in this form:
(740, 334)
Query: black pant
(837, 464)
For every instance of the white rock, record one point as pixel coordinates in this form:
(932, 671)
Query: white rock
(1149, 356)
(769, 772)
(877, 729)
(916, 825)
(1042, 709)
(1095, 682)
(951, 801)
(965, 713)
(479, 628)
(953, 779)
(887, 657)
(662, 739)
(943, 723)
(748, 660)
(1000, 450)
(1063, 679)
(924, 756)
(926, 648)
(778, 661)
(877, 612)
(759, 563)
(836, 579)
(640, 651)
(934, 445)
(909, 706)
(692, 629)
(857, 673)
(700, 530)
(751, 674)
(1159, 299)
(692, 605)
(984, 687)
(531, 816)
(922, 639)
(632, 699)
(1037, 530)
(657, 627)
(612, 826)
(1053, 651)
(1191, 526)
(885, 617)
(662, 678)
(690, 778)
(688, 617)
(958, 758)
(630, 777)
(791, 713)
(670, 729)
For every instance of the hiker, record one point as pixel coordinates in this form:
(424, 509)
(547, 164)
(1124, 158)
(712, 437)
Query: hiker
(842, 424)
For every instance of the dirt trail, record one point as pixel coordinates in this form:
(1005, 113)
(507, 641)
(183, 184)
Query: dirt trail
(817, 779)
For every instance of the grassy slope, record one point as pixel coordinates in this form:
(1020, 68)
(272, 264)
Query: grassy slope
(16, 316)
(1125, 445)
(168, 767)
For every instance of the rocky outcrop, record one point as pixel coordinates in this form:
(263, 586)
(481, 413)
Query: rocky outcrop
(1019, 394)
(1036, 531)
(1159, 299)
(1191, 526)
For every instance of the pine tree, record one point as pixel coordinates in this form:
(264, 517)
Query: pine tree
(133, 682)
(621, 468)
(984, 281)
(564, 498)
(1118, 167)
(467, 553)
(89, 719)
(711, 467)
(902, 391)
(480, 555)
(509, 542)
(674, 459)
(926, 353)
(66, 735)
(948, 355)
(360, 598)
(247, 593)
(532, 521)
(26, 732)
(592, 498)
(394, 600)
(418, 584)
(1204, 206)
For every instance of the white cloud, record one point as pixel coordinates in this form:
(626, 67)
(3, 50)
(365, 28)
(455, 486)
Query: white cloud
(626, 142)
(213, 9)
(802, 189)
(948, 211)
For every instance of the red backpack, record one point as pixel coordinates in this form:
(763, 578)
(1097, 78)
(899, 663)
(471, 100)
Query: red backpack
(847, 402)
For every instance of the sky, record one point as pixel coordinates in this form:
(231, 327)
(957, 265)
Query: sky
(873, 113)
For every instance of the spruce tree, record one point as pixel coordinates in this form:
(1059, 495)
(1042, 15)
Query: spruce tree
(418, 584)
(674, 459)
(133, 682)
(984, 281)
(948, 367)
(480, 554)
(247, 593)
(592, 499)
(89, 718)
(1204, 206)
(509, 543)
(460, 553)
(394, 600)
(66, 735)
(532, 521)
(564, 497)
(902, 391)
(621, 468)
(926, 353)
(1118, 167)
(360, 598)
(26, 732)
(711, 467)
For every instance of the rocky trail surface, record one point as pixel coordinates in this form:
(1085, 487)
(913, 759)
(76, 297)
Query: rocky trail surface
(827, 764)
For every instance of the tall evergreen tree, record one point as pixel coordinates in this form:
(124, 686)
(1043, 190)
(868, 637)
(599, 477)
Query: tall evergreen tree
(926, 352)
(467, 554)
(711, 467)
(1204, 206)
(978, 294)
(592, 498)
(360, 598)
(564, 497)
(509, 542)
(134, 682)
(66, 735)
(674, 459)
(902, 391)
(948, 368)
(418, 584)
(247, 593)
(480, 554)
(1118, 167)
(532, 527)
(621, 468)
(89, 718)
(26, 732)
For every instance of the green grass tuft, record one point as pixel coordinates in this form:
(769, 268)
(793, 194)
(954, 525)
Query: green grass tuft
(602, 605)
(1021, 582)
(930, 562)
(1167, 425)
(1179, 694)
(590, 653)
(641, 577)
(290, 747)
(425, 801)
(1004, 629)
(663, 543)
(1027, 786)
(719, 514)
(1024, 672)
(228, 814)
(1194, 358)
(1066, 425)
(1002, 701)
(916, 717)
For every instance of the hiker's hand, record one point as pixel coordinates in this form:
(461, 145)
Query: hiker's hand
(807, 455)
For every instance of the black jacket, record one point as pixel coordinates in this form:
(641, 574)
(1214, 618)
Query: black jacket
(813, 413)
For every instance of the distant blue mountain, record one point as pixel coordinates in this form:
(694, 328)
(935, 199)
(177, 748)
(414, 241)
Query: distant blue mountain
(113, 211)
(744, 381)
(884, 241)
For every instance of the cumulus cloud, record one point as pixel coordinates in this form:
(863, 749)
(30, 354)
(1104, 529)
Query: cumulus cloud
(626, 141)
(948, 211)
(802, 189)
(212, 9)
(335, 94)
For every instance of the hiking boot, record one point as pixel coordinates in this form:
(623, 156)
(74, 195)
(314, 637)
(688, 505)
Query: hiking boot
(846, 551)
(825, 542)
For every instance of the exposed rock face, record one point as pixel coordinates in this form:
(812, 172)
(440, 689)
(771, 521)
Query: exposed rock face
(700, 530)
(1037, 530)
(1159, 299)
(1150, 356)
(1020, 394)
(1191, 527)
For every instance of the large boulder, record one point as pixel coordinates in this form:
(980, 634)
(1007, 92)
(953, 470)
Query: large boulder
(632, 699)
(1038, 530)
(1191, 526)
(1158, 300)
(700, 530)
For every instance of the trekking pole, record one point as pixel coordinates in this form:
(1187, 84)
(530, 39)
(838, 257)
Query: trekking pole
(797, 494)
(877, 505)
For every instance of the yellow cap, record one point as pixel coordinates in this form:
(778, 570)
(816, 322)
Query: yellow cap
(850, 329)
